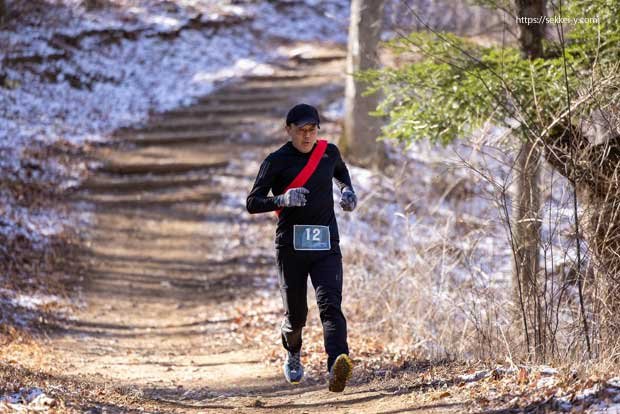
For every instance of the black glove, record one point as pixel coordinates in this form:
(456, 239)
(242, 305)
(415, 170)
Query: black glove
(348, 200)
(292, 198)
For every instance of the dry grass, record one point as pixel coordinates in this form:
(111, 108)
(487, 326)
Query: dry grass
(428, 259)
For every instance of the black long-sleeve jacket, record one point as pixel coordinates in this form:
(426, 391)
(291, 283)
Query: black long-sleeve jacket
(276, 173)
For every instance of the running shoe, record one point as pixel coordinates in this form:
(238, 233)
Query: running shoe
(293, 370)
(340, 373)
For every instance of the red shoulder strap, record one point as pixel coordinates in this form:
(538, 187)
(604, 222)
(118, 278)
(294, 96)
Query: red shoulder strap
(306, 172)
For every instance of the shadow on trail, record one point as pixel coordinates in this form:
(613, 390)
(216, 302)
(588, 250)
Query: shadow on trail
(172, 288)
(128, 327)
(186, 264)
(181, 213)
(422, 408)
(144, 278)
(259, 397)
(61, 326)
(201, 398)
(314, 390)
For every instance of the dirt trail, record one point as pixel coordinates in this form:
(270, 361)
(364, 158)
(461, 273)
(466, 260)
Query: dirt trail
(174, 261)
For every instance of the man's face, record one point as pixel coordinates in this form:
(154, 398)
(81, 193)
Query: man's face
(303, 137)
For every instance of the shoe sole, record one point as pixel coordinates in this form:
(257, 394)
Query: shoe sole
(342, 370)
(293, 382)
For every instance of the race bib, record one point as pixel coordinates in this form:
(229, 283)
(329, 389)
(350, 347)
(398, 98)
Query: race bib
(309, 237)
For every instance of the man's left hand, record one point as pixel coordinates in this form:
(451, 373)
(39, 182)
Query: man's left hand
(348, 200)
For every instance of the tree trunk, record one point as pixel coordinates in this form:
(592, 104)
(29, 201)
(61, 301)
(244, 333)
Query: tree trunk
(361, 130)
(526, 237)
(526, 227)
(2, 10)
(601, 227)
(531, 35)
(593, 166)
(598, 189)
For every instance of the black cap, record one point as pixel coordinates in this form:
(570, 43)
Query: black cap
(303, 114)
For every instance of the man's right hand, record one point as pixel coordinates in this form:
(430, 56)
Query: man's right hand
(292, 198)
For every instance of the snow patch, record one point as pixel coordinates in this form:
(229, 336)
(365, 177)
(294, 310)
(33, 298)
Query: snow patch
(27, 400)
(29, 301)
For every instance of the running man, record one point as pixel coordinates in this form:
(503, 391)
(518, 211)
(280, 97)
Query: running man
(299, 175)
